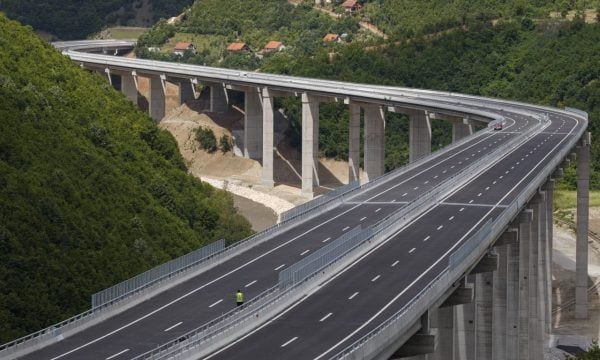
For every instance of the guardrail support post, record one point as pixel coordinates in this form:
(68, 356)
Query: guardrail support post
(156, 98)
(525, 219)
(354, 143)
(253, 123)
(419, 134)
(374, 141)
(267, 158)
(583, 202)
(310, 144)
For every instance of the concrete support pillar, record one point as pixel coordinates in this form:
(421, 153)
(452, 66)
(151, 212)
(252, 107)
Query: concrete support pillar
(464, 332)
(354, 143)
(253, 124)
(442, 320)
(310, 144)
(460, 129)
(512, 302)
(483, 315)
(499, 314)
(156, 102)
(542, 264)
(535, 348)
(419, 135)
(267, 158)
(186, 91)
(374, 142)
(524, 240)
(549, 190)
(129, 87)
(583, 202)
(218, 98)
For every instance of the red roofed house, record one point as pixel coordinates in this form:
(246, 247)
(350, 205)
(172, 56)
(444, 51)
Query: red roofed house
(182, 47)
(274, 46)
(331, 38)
(351, 6)
(238, 46)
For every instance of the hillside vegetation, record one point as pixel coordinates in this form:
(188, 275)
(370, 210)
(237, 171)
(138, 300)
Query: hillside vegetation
(91, 191)
(78, 19)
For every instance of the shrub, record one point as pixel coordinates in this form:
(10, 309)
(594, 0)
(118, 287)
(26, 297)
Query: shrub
(206, 138)
(226, 144)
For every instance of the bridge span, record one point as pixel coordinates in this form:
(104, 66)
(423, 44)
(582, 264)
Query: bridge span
(448, 257)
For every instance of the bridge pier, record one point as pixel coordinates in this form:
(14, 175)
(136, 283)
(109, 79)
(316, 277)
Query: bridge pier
(310, 144)
(583, 202)
(535, 298)
(267, 136)
(129, 87)
(464, 331)
(419, 134)
(499, 314)
(186, 91)
(548, 188)
(253, 124)
(156, 101)
(354, 143)
(461, 128)
(219, 102)
(374, 142)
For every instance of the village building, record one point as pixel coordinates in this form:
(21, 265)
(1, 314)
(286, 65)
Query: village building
(182, 47)
(331, 38)
(238, 46)
(352, 6)
(273, 46)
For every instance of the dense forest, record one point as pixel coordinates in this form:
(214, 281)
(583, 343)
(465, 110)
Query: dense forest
(522, 58)
(91, 191)
(78, 19)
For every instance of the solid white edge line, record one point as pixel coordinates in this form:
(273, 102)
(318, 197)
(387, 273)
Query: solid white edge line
(251, 283)
(304, 252)
(279, 267)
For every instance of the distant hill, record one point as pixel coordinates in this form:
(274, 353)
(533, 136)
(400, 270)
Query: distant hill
(78, 19)
(91, 191)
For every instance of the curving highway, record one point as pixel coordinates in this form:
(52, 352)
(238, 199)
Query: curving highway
(382, 281)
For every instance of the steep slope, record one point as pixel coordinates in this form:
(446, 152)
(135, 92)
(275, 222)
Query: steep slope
(91, 191)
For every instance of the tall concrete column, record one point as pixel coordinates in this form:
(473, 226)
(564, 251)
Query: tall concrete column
(310, 143)
(419, 134)
(583, 203)
(253, 124)
(219, 101)
(460, 129)
(267, 158)
(374, 142)
(512, 302)
(549, 190)
(499, 305)
(542, 288)
(483, 315)
(186, 91)
(442, 319)
(524, 240)
(354, 143)
(156, 102)
(129, 87)
(464, 332)
(535, 349)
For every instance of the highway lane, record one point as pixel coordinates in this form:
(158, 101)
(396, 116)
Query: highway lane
(205, 297)
(364, 295)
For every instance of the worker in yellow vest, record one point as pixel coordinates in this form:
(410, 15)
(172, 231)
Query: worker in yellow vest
(239, 297)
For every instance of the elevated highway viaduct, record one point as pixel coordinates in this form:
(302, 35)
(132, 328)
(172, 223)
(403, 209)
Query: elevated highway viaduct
(461, 267)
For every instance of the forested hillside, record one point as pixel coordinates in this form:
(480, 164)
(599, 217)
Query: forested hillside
(91, 191)
(523, 57)
(78, 19)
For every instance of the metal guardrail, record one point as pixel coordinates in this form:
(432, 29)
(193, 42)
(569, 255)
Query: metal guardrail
(368, 345)
(298, 275)
(157, 274)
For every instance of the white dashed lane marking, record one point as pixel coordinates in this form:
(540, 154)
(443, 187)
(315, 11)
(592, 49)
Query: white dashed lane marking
(215, 303)
(325, 317)
(412, 250)
(375, 278)
(353, 295)
(289, 341)
(174, 326)
(250, 283)
(395, 263)
(427, 238)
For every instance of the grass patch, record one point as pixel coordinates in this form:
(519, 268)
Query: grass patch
(124, 33)
(567, 199)
(215, 44)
